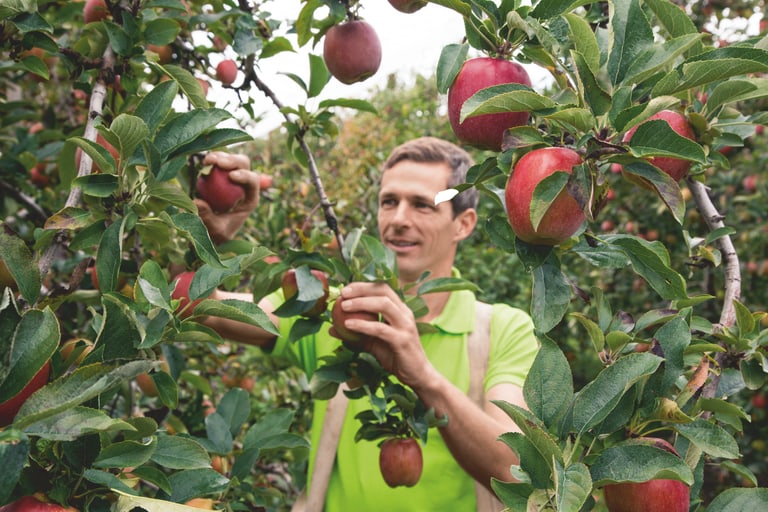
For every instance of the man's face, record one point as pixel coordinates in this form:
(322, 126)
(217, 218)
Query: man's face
(423, 235)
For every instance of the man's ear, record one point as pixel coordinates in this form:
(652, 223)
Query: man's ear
(465, 223)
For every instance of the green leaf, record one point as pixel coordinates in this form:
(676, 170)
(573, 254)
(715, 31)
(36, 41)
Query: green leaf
(107, 480)
(10, 8)
(97, 185)
(191, 89)
(161, 31)
(177, 452)
(69, 217)
(191, 225)
(77, 422)
(274, 46)
(584, 41)
(171, 194)
(551, 296)
(535, 431)
(548, 388)
(274, 423)
(656, 138)
(631, 35)
(710, 438)
(576, 119)
(573, 486)
(186, 127)
(593, 94)
(504, 98)
(154, 107)
(125, 454)
(319, 76)
(638, 462)
(599, 397)
(109, 256)
(130, 131)
(18, 259)
(531, 461)
(514, 495)
(732, 91)
(120, 333)
(361, 105)
(446, 284)
(14, 452)
(594, 331)
(33, 342)
(449, 64)
(101, 157)
(83, 384)
(545, 193)
(192, 483)
(239, 310)
(118, 38)
(235, 408)
(675, 21)
(739, 500)
(651, 261)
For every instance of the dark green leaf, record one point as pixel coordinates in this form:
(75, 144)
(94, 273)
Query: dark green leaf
(548, 388)
(125, 454)
(551, 296)
(632, 35)
(451, 60)
(177, 452)
(22, 267)
(739, 500)
(638, 462)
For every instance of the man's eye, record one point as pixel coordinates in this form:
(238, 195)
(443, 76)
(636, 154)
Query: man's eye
(387, 202)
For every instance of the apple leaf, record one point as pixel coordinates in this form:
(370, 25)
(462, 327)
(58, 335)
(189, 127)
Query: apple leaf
(178, 452)
(125, 454)
(573, 485)
(154, 107)
(656, 138)
(550, 298)
(740, 499)
(191, 89)
(535, 431)
(595, 333)
(735, 90)
(119, 335)
(584, 40)
(99, 154)
(548, 388)
(532, 466)
(675, 21)
(638, 462)
(651, 261)
(544, 194)
(319, 76)
(636, 114)
(592, 93)
(514, 495)
(505, 98)
(33, 342)
(631, 34)
(192, 483)
(192, 226)
(239, 310)
(10, 8)
(710, 438)
(75, 423)
(235, 407)
(161, 31)
(187, 126)
(451, 60)
(21, 265)
(599, 397)
(14, 450)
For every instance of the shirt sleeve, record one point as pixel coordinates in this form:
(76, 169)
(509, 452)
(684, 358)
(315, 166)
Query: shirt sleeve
(513, 347)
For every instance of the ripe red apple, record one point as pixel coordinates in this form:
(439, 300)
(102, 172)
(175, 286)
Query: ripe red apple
(408, 6)
(677, 168)
(290, 289)
(164, 53)
(216, 189)
(563, 218)
(401, 462)
(181, 293)
(351, 339)
(34, 504)
(352, 51)
(759, 401)
(750, 183)
(10, 407)
(95, 10)
(226, 71)
(485, 131)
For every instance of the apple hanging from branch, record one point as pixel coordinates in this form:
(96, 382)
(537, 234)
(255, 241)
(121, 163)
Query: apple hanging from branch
(352, 51)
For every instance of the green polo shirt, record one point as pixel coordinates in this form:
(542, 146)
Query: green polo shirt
(356, 483)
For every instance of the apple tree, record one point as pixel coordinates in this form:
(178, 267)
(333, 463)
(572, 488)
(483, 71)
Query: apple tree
(106, 119)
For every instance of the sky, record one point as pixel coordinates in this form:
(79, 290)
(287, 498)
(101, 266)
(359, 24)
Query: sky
(411, 45)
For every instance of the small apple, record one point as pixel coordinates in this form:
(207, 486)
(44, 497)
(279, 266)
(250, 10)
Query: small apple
(6, 279)
(216, 189)
(352, 51)
(291, 289)
(401, 462)
(750, 183)
(181, 293)
(484, 131)
(75, 348)
(147, 384)
(759, 401)
(351, 339)
(226, 71)
(677, 168)
(95, 10)
(408, 6)
(35, 504)
(10, 407)
(164, 52)
(563, 218)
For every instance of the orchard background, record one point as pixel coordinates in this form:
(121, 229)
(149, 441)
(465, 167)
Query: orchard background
(152, 408)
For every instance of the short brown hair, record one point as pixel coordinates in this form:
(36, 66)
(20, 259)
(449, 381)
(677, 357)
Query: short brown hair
(434, 150)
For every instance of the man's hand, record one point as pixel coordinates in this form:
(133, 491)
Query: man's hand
(394, 342)
(224, 226)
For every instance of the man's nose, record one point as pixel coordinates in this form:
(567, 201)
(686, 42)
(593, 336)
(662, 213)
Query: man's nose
(401, 216)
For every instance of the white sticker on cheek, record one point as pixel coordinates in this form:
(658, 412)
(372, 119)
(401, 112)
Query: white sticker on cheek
(445, 195)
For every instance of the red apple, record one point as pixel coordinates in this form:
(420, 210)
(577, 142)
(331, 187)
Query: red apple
(485, 131)
(181, 293)
(290, 289)
(759, 401)
(10, 407)
(352, 51)
(101, 141)
(408, 6)
(677, 168)
(95, 10)
(750, 183)
(34, 504)
(164, 53)
(401, 462)
(216, 189)
(6, 279)
(351, 339)
(226, 71)
(563, 218)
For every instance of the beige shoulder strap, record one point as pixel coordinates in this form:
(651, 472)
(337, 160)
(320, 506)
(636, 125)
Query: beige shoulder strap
(479, 347)
(314, 500)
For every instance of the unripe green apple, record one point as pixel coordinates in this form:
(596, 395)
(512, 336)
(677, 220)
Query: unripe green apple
(401, 462)
(677, 168)
(352, 51)
(487, 130)
(563, 218)
(216, 189)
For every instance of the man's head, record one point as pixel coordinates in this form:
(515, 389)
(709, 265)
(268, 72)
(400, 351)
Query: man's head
(425, 235)
(439, 151)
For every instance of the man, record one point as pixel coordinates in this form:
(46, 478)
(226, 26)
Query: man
(424, 236)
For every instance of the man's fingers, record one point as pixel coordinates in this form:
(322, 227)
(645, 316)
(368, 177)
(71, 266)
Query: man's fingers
(227, 161)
